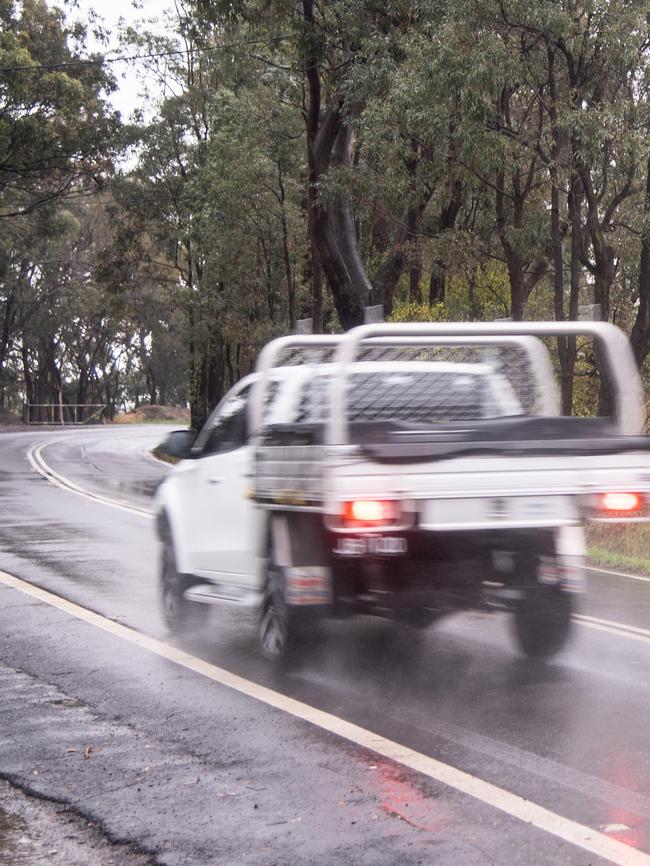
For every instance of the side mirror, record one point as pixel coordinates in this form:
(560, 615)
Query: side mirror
(179, 444)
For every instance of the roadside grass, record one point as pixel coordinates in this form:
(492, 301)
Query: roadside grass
(160, 454)
(621, 546)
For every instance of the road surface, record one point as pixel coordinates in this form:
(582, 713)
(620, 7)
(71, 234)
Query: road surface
(374, 748)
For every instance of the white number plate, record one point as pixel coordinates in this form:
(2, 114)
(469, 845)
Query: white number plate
(362, 545)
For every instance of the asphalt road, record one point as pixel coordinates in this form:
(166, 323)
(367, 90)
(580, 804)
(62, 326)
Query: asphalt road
(373, 748)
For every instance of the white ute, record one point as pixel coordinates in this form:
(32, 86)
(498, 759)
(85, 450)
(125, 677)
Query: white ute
(401, 471)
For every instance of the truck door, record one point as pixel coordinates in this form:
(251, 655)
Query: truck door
(221, 516)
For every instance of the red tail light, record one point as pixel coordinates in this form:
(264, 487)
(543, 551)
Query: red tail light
(370, 512)
(621, 503)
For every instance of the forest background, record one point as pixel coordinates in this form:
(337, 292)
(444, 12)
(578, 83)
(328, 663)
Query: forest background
(449, 159)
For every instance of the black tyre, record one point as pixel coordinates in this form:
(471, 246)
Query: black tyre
(179, 614)
(284, 629)
(277, 621)
(542, 620)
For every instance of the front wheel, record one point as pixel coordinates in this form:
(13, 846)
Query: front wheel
(542, 620)
(179, 614)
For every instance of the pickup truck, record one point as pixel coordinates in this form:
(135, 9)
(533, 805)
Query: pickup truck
(401, 471)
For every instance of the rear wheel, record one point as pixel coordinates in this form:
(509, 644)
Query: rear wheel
(284, 628)
(179, 614)
(277, 621)
(542, 620)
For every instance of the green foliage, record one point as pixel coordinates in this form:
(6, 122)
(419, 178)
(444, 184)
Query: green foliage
(58, 138)
(479, 292)
(407, 311)
(620, 546)
(467, 123)
(55, 127)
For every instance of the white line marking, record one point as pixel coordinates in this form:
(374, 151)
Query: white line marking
(587, 838)
(619, 629)
(35, 457)
(619, 573)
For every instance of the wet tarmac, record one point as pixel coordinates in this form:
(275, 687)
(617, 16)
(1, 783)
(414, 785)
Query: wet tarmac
(36, 832)
(12, 840)
(571, 735)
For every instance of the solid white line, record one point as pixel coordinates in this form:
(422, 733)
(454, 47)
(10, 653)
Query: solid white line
(511, 804)
(619, 629)
(619, 573)
(35, 457)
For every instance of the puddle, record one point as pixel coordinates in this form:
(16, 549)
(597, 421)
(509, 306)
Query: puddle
(70, 703)
(135, 487)
(139, 488)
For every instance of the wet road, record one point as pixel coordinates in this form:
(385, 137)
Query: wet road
(234, 780)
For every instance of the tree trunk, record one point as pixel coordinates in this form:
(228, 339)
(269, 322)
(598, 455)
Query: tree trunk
(446, 221)
(316, 282)
(391, 267)
(563, 348)
(331, 227)
(336, 239)
(380, 240)
(27, 377)
(6, 334)
(291, 289)
(568, 361)
(640, 336)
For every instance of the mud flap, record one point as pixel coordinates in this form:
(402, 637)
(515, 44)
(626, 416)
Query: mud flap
(299, 550)
(569, 565)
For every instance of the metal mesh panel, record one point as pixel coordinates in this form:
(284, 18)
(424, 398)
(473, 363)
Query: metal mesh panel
(509, 361)
(473, 382)
(422, 398)
(409, 396)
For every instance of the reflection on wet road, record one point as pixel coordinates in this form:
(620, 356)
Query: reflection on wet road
(571, 736)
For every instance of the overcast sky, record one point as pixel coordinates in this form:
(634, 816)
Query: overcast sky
(113, 12)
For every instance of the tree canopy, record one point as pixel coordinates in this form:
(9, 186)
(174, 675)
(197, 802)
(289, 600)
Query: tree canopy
(464, 159)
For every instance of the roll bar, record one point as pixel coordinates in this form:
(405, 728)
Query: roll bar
(534, 349)
(268, 360)
(620, 361)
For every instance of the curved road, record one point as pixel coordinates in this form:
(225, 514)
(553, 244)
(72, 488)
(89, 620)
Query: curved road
(498, 759)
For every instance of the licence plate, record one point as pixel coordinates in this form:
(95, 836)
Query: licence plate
(369, 545)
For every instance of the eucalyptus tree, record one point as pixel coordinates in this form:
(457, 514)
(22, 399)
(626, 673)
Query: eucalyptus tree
(58, 138)
(593, 97)
(55, 125)
(217, 191)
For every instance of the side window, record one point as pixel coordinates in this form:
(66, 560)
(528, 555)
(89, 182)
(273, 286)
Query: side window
(228, 429)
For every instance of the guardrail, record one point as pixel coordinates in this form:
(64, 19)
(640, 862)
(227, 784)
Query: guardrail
(61, 414)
